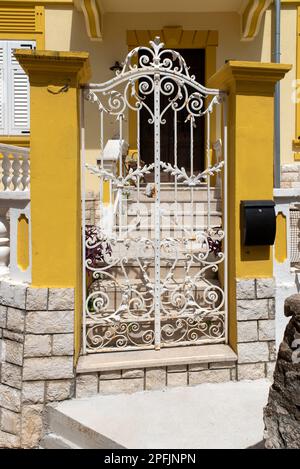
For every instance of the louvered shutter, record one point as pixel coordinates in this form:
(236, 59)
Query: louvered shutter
(3, 88)
(18, 90)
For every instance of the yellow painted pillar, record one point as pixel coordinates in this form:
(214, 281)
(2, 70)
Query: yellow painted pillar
(55, 78)
(23, 243)
(250, 87)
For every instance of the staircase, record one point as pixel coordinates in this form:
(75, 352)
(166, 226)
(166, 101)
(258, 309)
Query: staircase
(65, 431)
(135, 230)
(188, 215)
(207, 416)
(143, 225)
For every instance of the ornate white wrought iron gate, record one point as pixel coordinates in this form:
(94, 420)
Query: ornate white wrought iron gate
(154, 265)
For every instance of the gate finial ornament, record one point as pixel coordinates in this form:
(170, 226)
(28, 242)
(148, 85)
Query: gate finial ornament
(156, 45)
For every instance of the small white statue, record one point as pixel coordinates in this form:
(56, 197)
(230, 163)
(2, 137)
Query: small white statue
(150, 190)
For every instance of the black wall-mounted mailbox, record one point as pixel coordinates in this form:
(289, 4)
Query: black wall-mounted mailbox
(258, 222)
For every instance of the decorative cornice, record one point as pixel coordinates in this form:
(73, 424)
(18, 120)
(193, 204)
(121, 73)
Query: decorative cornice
(248, 72)
(251, 18)
(92, 12)
(57, 62)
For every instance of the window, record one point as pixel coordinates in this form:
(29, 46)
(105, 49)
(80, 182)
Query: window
(14, 90)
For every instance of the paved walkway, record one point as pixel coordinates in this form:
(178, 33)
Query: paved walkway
(226, 415)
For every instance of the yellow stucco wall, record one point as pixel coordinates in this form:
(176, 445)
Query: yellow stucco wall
(288, 108)
(23, 243)
(251, 93)
(55, 170)
(281, 239)
(65, 30)
(253, 261)
(58, 25)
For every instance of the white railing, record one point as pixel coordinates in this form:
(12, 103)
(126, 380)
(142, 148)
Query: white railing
(111, 158)
(218, 149)
(14, 206)
(15, 168)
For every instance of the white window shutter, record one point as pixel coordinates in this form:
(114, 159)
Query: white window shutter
(3, 89)
(18, 91)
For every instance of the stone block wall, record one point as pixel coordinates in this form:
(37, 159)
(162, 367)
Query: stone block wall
(36, 363)
(256, 352)
(255, 328)
(149, 379)
(92, 208)
(290, 176)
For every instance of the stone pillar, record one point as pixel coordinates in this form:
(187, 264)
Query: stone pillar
(250, 87)
(282, 413)
(55, 186)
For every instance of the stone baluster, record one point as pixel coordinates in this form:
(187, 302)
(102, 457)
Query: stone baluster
(25, 173)
(6, 171)
(15, 165)
(17, 175)
(4, 242)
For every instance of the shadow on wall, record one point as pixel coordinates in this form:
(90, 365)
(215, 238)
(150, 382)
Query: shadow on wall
(102, 55)
(257, 253)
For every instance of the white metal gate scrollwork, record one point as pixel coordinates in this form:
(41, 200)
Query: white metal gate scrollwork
(154, 266)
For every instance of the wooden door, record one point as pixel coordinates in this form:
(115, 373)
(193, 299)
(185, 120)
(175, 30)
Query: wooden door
(195, 60)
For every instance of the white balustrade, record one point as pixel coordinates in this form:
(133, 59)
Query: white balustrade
(15, 166)
(14, 201)
(110, 156)
(4, 242)
(109, 162)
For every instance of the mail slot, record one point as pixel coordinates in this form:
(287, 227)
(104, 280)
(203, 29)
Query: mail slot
(258, 222)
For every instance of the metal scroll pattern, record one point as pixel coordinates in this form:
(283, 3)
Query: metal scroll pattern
(155, 287)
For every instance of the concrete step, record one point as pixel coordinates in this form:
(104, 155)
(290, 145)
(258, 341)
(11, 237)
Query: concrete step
(211, 416)
(151, 358)
(134, 272)
(110, 286)
(66, 432)
(167, 194)
(169, 220)
(115, 293)
(139, 248)
(168, 230)
(53, 441)
(170, 208)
